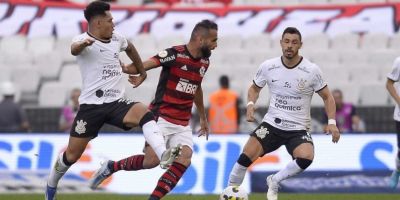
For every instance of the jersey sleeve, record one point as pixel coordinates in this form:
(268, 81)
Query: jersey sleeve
(395, 73)
(260, 79)
(166, 57)
(318, 82)
(122, 40)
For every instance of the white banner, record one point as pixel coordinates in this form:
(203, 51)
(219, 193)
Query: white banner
(211, 163)
(66, 20)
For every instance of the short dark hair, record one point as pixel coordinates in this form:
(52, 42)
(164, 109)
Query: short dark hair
(224, 81)
(291, 30)
(96, 8)
(204, 26)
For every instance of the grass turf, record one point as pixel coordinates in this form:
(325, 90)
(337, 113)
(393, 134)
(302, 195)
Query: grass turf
(204, 197)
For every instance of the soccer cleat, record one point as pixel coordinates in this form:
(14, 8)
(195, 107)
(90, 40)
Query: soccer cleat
(100, 175)
(273, 188)
(50, 193)
(170, 155)
(394, 179)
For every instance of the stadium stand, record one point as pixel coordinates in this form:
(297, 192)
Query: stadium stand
(344, 60)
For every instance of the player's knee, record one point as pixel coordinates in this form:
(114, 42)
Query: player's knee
(70, 158)
(244, 160)
(146, 118)
(303, 163)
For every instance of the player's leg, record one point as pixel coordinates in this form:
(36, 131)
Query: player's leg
(300, 146)
(260, 142)
(394, 178)
(64, 161)
(147, 160)
(87, 123)
(127, 114)
(173, 174)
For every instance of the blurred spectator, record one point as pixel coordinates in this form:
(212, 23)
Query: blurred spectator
(69, 111)
(226, 2)
(347, 119)
(223, 114)
(13, 117)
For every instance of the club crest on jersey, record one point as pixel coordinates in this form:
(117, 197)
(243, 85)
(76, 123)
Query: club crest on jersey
(262, 132)
(301, 84)
(202, 71)
(163, 54)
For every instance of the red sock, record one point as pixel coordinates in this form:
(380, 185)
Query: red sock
(168, 180)
(132, 163)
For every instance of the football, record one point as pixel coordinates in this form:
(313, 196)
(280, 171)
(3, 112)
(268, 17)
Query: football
(233, 193)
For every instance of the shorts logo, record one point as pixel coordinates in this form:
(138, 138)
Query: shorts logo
(307, 137)
(80, 127)
(262, 132)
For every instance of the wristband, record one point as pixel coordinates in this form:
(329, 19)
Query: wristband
(331, 121)
(250, 103)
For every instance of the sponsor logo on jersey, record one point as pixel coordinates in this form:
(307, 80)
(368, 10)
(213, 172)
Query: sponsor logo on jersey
(111, 93)
(262, 132)
(80, 127)
(302, 68)
(181, 55)
(186, 87)
(202, 71)
(166, 59)
(273, 67)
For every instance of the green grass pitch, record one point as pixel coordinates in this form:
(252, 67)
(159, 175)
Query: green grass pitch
(205, 197)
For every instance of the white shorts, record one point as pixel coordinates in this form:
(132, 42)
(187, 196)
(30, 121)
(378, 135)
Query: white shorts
(175, 134)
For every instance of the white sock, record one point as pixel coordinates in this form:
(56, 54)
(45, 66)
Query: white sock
(154, 137)
(237, 175)
(290, 170)
(57, 171)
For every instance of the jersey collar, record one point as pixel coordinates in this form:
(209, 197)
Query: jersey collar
(100, 40)
(190, 55)
(301, 59)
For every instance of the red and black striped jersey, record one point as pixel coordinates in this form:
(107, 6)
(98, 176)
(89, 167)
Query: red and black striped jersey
(180, 77)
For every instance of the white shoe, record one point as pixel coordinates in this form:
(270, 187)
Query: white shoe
(273, 188)
(170, 155)
(100, 175)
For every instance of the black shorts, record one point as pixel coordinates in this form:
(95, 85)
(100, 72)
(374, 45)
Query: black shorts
(272, 138)
(91, 117)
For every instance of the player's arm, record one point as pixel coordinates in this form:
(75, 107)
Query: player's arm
(392, 90)
(198, 101)
(79, 46)
(252, 95)
(330, 109)
(136, 67)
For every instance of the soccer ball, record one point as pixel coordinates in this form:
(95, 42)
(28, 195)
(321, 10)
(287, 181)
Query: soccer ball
(233, 193)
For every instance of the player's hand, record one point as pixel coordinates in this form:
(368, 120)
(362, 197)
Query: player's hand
(136, 80)
(250, 113)
(87, 42)
(128, 69)
(204, 130)
(332, 129)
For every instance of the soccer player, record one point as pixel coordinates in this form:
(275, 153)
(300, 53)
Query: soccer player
(292, 80)
(101, 100)
(393, 77)
(183, 69)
